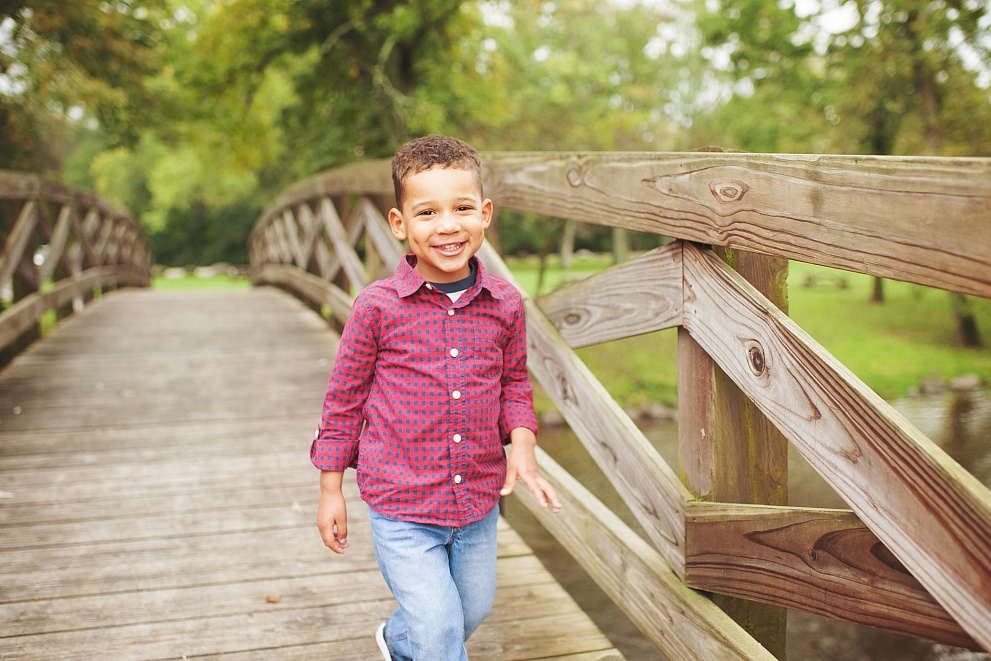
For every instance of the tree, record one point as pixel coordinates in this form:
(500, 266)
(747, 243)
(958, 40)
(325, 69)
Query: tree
(61, 62)
(890, 77)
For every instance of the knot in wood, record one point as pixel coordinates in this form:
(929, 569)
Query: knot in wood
(572, 318)
(758, 365)
(731, 190)
(575, 177)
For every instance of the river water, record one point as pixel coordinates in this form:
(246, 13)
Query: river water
(959, 422)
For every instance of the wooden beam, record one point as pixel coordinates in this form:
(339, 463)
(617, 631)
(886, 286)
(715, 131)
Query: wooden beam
(815, 560)
(907, 218)
(377, 229)
(635, 297)
(342, 246)
(932, 513)
(682, 623)
(18, 240)
(308, 286)
(646, 483)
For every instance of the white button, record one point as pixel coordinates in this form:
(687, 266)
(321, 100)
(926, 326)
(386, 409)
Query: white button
(429, 286)
(457, 438)
(454, 353)
(457, 479)
(456, 394)
(450, 313)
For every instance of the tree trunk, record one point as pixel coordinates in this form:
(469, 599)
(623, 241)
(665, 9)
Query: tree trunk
(877, 295)
(620, 245)
(568, 244)
(965, 321)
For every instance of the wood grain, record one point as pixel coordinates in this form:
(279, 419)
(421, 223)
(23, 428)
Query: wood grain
(646, 483)
(906, 218)
(158, 491)
(815, 560)
(682, 623)
(932, 514)
(636, 297)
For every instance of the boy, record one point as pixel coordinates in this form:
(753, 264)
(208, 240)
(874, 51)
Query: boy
(430, 382)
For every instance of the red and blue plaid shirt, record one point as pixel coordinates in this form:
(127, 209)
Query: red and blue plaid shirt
(437, 386)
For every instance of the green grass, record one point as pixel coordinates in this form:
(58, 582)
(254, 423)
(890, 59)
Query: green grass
(201, 283)
(891, 346)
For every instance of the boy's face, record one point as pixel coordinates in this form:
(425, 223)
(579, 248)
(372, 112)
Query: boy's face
(444, 217)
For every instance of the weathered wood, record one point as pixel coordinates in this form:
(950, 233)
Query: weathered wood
(682, 623)
(932, 514)
(154, 531)
(17, 240)
(377, 229)
(729, 451)
(646, 483)
(636, 297)
(342, 246)
(310, 287)
(820, 561)
(906, 218)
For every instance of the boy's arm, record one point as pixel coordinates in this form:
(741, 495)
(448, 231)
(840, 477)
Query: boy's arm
(332, 513)
(522, 465)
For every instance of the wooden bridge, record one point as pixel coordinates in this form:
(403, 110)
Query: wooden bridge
(160, 506)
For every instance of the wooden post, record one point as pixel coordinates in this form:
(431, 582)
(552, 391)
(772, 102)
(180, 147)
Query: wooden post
(729, 452)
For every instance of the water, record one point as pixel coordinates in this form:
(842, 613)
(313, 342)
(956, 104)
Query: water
(960, 423)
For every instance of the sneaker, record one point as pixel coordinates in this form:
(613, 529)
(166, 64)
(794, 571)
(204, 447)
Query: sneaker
(380, 639)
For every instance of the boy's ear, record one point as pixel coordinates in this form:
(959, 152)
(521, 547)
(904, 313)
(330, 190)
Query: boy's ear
(486, 212)
(396, 224)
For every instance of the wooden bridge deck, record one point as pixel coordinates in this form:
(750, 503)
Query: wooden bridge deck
(158, 501)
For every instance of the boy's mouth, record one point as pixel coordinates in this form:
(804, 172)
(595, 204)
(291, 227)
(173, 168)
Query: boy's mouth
(450, 248)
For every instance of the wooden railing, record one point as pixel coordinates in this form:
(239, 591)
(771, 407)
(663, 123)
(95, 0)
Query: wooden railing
(60, 246)
(913, 553)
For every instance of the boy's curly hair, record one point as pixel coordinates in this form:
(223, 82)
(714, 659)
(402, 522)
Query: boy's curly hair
(431, 151)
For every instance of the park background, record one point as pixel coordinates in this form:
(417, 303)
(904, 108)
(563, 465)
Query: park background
(194, 114)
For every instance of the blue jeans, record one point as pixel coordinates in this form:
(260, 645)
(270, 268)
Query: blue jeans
(444, 580)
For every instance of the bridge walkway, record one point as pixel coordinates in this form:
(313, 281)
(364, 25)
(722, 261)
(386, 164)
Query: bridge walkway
(158, 501)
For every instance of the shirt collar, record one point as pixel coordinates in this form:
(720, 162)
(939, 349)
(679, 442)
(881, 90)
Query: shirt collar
(408, 281)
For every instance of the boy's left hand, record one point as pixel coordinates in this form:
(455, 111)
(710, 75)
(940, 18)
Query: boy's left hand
(522, 465)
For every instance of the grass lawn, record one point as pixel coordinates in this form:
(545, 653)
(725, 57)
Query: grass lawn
(189, 282)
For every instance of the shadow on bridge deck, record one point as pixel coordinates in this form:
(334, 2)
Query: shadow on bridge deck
(158, 500)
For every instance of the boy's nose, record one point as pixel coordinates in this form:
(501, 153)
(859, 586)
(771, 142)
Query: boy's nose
(448, 223)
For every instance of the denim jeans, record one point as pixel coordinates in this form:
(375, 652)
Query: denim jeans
(444, 580)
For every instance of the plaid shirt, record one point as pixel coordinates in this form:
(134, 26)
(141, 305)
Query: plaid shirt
(438, 387)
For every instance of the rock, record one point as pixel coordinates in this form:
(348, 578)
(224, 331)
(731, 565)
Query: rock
(965, 382)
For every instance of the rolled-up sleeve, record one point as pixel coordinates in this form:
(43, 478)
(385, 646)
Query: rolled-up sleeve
(336, 444)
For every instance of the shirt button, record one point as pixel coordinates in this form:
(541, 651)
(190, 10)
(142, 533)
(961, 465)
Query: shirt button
(429, 286)
(457, 479)
(454, 353)
(456, 438)
(456, 394)
(450, 313)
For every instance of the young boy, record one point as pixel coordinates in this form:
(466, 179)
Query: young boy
(430, 382)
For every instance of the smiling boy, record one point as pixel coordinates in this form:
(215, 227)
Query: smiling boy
(429, 383)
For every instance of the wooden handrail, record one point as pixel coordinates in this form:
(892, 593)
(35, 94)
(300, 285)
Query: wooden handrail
(60, 245)
(918, 220)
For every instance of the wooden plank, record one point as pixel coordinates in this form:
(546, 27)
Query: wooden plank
(646, 483)
(907, 218)
(933, 515)
(342, 248)
(636, 297)
(56, 245)
(310, 287)
(682, 623)
(17, 240)
(819, 561)
(377, 229)
(156, 536)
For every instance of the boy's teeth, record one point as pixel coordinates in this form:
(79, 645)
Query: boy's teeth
(451, 247)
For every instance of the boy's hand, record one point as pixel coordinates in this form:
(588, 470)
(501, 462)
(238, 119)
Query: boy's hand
(332, 513)
(522, 465)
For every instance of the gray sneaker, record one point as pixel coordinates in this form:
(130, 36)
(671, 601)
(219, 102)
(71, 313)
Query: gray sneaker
(380, 639)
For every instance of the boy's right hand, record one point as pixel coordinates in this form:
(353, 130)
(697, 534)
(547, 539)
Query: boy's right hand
(332, 513)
